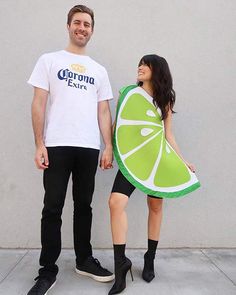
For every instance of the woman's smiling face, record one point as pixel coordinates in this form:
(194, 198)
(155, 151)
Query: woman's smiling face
(144, 73)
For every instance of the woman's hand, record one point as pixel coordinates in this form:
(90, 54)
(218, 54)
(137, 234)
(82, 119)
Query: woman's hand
(190, 166)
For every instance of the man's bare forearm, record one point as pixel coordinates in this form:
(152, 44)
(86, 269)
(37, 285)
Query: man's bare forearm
(105, 125)
(38, 115)
(38, 125)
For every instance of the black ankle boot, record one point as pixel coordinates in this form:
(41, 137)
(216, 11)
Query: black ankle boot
(148, 270)
(120, 276)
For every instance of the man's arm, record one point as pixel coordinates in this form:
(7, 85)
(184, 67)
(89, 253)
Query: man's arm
(38, 109)
(105, 125)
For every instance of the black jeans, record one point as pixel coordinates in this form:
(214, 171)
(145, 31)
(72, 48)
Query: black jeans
(82, 164)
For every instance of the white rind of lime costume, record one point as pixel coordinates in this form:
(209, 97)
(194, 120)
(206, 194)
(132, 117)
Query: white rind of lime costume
(142, 152)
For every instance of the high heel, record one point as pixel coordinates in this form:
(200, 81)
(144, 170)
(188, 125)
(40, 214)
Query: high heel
(148, 271)
(131, 274)
(120, 277)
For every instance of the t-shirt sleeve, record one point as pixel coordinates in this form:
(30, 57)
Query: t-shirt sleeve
(40, 75)
(105, 91)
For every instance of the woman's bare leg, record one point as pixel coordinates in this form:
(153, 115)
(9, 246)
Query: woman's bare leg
(119, 224)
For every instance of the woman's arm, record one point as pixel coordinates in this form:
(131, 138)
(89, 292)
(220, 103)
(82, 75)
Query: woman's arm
(171, 139)
(113, 127)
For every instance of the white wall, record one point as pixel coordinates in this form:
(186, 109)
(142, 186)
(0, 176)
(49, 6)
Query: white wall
(198, 40)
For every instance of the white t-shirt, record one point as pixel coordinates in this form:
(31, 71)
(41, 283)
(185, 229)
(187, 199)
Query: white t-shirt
(76, 83)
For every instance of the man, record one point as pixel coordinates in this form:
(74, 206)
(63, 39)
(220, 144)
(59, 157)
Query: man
(67, 142)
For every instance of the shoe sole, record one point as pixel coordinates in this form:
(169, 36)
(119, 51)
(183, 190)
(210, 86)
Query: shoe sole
(50, 288)
(96, 278)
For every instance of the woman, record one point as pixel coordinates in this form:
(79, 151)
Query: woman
(155, 79)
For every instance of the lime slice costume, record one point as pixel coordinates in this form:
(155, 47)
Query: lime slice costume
(142, 152)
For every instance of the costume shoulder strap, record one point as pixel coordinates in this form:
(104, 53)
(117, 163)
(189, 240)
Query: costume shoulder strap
(126, 89)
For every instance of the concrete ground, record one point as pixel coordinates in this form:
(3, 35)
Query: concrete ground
(178, 272)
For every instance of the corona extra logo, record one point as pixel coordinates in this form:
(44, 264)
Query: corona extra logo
(75, 80)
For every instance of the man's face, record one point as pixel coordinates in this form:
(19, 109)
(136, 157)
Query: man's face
(80, 29)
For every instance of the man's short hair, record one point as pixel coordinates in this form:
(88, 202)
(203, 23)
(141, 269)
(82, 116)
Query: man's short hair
(80, 8)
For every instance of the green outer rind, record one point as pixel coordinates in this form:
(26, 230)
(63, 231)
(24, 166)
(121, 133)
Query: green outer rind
(122, 96)
(127, 175)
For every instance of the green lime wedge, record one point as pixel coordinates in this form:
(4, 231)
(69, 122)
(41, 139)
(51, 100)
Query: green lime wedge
(138, 133)
(144, 156)
(169, 164)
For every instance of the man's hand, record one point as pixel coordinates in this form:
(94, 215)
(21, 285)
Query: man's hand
(41, 157)
(106, 158)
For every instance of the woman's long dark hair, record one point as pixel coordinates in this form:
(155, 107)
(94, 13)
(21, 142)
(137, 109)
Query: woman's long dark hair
(161, 80)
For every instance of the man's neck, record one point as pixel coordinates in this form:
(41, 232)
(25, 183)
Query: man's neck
(75, 49)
